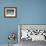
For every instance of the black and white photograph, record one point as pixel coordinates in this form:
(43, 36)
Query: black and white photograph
(10, 12)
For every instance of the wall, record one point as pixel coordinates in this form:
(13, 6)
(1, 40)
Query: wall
(28, 12)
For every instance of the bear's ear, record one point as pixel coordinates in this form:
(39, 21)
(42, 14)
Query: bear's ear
(8, 38)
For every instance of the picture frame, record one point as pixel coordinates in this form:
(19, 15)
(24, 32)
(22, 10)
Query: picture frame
(10, 12)
(39, 28)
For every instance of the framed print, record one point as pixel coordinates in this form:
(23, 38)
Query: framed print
(33, 32)
(10, 12)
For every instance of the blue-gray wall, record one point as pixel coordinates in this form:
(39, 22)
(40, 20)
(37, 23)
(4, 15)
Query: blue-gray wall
(28, 12)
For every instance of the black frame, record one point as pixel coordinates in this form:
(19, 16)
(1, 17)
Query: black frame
(10, 16)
